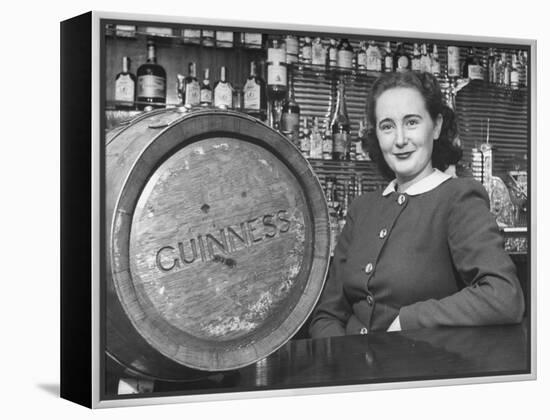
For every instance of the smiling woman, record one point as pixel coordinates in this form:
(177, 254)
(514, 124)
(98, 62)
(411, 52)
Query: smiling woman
(426, 251)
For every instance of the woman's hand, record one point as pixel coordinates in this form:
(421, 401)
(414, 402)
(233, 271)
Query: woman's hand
(395, 325)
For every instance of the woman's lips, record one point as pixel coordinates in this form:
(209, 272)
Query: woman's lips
(402, 155)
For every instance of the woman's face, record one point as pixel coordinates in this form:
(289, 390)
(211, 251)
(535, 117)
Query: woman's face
(406, 133)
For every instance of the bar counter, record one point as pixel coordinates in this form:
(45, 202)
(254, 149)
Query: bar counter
(424, 354)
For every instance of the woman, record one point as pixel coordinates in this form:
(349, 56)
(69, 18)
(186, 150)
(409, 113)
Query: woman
(426, 251)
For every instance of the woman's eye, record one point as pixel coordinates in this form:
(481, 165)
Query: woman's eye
(412, 123)
(385, 127)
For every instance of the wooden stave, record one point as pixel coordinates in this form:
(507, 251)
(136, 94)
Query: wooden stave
(142, 136)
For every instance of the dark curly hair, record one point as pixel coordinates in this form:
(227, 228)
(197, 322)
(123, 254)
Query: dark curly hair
(446, 150)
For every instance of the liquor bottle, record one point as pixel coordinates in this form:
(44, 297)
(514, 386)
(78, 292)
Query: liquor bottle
(491, 62)
(514, 73)
(208, 38)
(374, 57)
(415, 62)
(151, 81)
(316, 141)
(435, 65)
(475, 67)
(191, 94)
(469, 60)
(524, 73)
(237, 99)
(305, 140)
(276, 69)
(307, 51)
(357, 143)
(327, 142)
(401, 60)
(191, 36)
(290, 112)
(453, 61)
(318, 53)
(425, 61)
(345, 54)
(332, 54)
(125, 87)
(206, 90)
(255, 95)
(292, 47)
(362, 64)
(223, 92)
(507, 69)
(388, 58)
(224, 39)
(180, 88)
(499, 69)
(340, 126)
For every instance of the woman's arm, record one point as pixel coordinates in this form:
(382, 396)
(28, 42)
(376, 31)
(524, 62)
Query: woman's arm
(333, 310)
(492, 294)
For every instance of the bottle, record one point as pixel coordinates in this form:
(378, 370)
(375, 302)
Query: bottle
(316, 141)
(206, 90)
(469, 60)
(332, 54)
(305, 140)
(255, 95)
(307, 51)
(374, 57)
(514, 73)
(290, 112)
(357, 144)
(291, 49)
(388, 58)
(223, 92)
(191, 94)
(524, 74)
(345, 54)
(453, 61)
(415, 62)
(318, 53)
(425, 61)
(475, 67)
(506, 70)
(499, 69)
(491, 66)
(125, 87)
(151, 81)
(327, 141)
(435, 65)
(276, 69)
(340, 126)
(362, 63)
(208, 38)
(401, 60)
(224, 39)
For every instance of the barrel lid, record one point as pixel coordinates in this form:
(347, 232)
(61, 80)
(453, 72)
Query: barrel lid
(220, 241)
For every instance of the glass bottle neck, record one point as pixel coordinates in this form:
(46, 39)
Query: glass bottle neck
(125, 65)
(151, 56)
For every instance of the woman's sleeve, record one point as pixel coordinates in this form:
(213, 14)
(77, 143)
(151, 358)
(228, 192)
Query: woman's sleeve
(492, 293)
(333, 310)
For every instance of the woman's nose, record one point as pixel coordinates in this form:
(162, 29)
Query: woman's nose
(400, 137)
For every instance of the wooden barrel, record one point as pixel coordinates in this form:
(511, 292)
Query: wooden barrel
(217, 242)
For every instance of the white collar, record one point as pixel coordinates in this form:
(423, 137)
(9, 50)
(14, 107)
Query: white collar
(426, 184)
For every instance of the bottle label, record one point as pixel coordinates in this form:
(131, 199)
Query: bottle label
(327, 148)
(276, 55)
(150, 86)
(223, 96)
(276, 74)
(125, 89)
(402, 63)
(251, 95)
(436, 68)
(291, 46)
(453, 64)
(388, 63)
(514, 77)
(415, 64)
(475, 72)
(305, 146)
(290, 122)
(307, 53)
(345, 59)
(372, 61)
(340, 142)
(362, 60)
(333, 56)
(253, 40)
(192, 93)
(316, 146)
(318, 55)
(425, 64)
(206, 96)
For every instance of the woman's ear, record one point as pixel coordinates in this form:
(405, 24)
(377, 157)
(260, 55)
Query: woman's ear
(438, 125)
